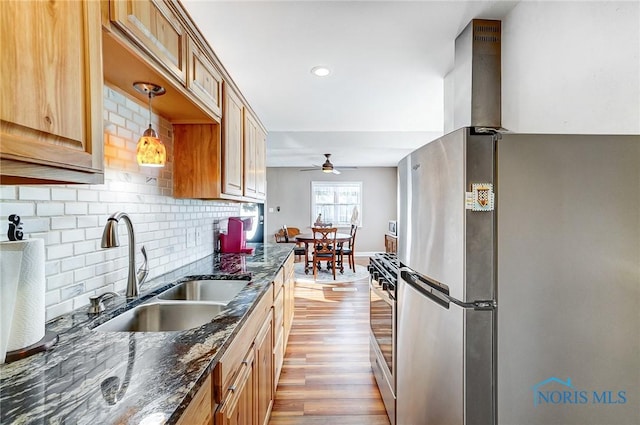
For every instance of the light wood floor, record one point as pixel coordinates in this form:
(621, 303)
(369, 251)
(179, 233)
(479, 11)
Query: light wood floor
(326, 377)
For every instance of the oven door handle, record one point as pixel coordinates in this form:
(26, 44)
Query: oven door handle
(384, 295)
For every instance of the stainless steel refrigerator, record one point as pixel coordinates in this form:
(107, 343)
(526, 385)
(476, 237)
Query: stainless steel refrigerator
(519, 297)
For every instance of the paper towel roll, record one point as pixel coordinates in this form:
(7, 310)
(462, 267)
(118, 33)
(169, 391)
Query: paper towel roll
(22, 304)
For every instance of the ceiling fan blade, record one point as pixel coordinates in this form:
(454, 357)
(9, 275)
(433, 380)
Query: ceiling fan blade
(309, 169)
(334, 171)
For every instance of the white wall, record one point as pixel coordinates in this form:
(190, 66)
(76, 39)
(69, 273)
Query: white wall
(290, 190)
(571, 67)
(70, 218)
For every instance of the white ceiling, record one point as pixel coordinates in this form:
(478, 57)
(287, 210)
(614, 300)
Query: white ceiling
(384, 96)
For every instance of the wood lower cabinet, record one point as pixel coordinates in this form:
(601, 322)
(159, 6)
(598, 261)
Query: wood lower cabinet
(263, 372)
(199, 410)
(288, 305)
(390, 244)
(51, 102)
(238, 407)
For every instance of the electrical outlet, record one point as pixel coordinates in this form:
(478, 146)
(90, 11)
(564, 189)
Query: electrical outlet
(191, 237)
(198, 237)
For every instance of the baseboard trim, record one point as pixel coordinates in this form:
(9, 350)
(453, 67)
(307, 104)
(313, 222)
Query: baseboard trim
(366, 254)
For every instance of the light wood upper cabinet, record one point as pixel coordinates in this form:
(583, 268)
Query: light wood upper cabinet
(232, 143)
(51, 93)
(250, 131)
(155, 27)
(204, 81)
(261, 163)
(255, 172)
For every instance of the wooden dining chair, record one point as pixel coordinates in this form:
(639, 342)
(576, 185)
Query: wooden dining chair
(324, 248)
(299, 250)
(349, 248)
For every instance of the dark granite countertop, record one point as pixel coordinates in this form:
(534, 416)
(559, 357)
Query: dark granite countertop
(93, 377)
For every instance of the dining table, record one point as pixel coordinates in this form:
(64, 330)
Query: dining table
(307, 238)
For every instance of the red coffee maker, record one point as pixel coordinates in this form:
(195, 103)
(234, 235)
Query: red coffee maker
(234, 241)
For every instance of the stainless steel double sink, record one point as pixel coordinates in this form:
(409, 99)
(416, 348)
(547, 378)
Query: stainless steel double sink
(185, 306)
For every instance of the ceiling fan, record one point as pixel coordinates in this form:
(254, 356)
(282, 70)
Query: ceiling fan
(327, 167)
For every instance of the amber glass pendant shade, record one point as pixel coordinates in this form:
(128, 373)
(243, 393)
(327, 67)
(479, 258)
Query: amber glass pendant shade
(150, 151)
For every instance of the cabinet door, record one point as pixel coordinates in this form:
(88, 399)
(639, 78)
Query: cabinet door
(204, 81)
(261, 164)
(250, 129)
(199, 410)
(264, 374)
(155, 27)
(232, 144)
(51, 102)
(238, 406)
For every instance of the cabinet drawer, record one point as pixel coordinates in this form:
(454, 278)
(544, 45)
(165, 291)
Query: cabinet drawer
(288, 266)
(278, 282)
(278, 312)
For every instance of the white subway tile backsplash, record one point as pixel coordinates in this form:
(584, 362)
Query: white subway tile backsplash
(60, 280)
(49, 208)
(98, 208)
(76, 208)
(83, 273)
(71, 218)
(59, 309)
(72, 235)
(34, 224)
(63, 222)
(59, 251)
(63, 194)
(8, 192)
(87, 221)
(72, 263)
(89, 246)
(51, 297)
(34, 193)
(22, 209)
(124, 112)
(88, 195)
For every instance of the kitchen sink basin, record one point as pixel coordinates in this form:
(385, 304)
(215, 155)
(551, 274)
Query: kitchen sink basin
(162, 317)
(215, 291)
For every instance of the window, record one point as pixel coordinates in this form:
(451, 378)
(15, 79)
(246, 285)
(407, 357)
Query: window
(336, 202)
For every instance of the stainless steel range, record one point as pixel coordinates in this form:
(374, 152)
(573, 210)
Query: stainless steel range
(383, 271)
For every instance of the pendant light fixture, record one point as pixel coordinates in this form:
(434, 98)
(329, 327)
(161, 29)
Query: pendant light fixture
(150, 151)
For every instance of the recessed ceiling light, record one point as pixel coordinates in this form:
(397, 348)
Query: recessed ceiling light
(320, 71)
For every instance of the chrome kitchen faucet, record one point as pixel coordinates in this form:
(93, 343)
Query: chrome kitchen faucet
(110, 240)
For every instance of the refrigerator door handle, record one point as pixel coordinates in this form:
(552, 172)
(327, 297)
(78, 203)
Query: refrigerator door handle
(476, 305)
(439, 292)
